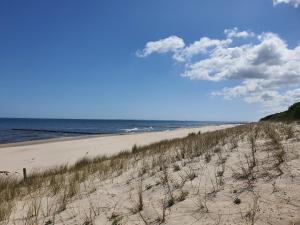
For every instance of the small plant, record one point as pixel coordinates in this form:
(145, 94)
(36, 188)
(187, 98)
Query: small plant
(87, 221)
(176, 167)
(182, 196)
(288, 131)
(207, 157)
(237, 201)
(167, 185)
(169, 202)
(143, 170)
(139, 205)
(220, 173)
(221, 159)
(33, 212)
(117, 220)
(140, 199)
(49, 222)
(246, 172)
(192, 134)
(280, 157)
(233, 142)
(277, 149)
(62, 202)
(148, 186)
(251, 215)
(47, 208)
(56, 183)
(72, 188)
(217, 150)
(5, 211)
(134, 148)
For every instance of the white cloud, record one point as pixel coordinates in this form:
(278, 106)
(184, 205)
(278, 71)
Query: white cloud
(265, 69)
(235, 33)
(199, 47)
(170, 44)
(295, 3)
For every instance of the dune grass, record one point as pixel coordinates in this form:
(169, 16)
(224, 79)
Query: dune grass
(64, 181)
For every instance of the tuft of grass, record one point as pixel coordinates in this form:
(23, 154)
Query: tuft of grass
(233, 142)
(170, 202)
(6, 209)
(117, 221)
(207, 157)
(289, 131)
(34, 211)
(176, 167)
(134, 149)
(56, 183)
(139, 204)
(192, 134)
(182, 196)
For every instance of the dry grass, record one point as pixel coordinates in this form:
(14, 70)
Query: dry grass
(5, 211)
(63, 182)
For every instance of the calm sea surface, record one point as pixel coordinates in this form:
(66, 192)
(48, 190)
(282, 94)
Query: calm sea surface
(16, 130)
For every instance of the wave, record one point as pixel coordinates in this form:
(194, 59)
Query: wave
(136, 129)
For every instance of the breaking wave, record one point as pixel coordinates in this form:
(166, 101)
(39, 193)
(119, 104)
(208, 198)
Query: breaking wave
(136, 129)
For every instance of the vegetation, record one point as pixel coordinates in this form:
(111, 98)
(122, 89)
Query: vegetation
(194, 167)
(292, 114)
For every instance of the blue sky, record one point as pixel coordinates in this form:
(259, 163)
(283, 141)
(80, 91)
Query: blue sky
(77, 59)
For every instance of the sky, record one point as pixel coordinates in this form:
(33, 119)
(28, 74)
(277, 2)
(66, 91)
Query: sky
(233, 60)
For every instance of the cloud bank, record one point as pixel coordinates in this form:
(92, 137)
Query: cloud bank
(295, 3)
(263, 67)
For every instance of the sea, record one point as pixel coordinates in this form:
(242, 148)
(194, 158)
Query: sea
(19, 130)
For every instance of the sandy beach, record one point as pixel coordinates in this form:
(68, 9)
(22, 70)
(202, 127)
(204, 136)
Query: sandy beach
(47, 154)
(187, 181)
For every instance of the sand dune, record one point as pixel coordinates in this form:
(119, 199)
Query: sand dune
(245, 175)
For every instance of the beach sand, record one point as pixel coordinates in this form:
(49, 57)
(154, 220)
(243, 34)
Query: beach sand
(50, 153)
(205, 179)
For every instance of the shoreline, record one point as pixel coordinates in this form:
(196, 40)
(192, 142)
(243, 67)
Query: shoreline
(43, 154)
(57, 139)
(88, 136)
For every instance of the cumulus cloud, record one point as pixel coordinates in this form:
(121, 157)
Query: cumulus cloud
(295, 3)
(170, 44)
(265, 69)
(235, 33)
(199, 47)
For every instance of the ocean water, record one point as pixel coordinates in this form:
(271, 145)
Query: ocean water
(17, 130)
